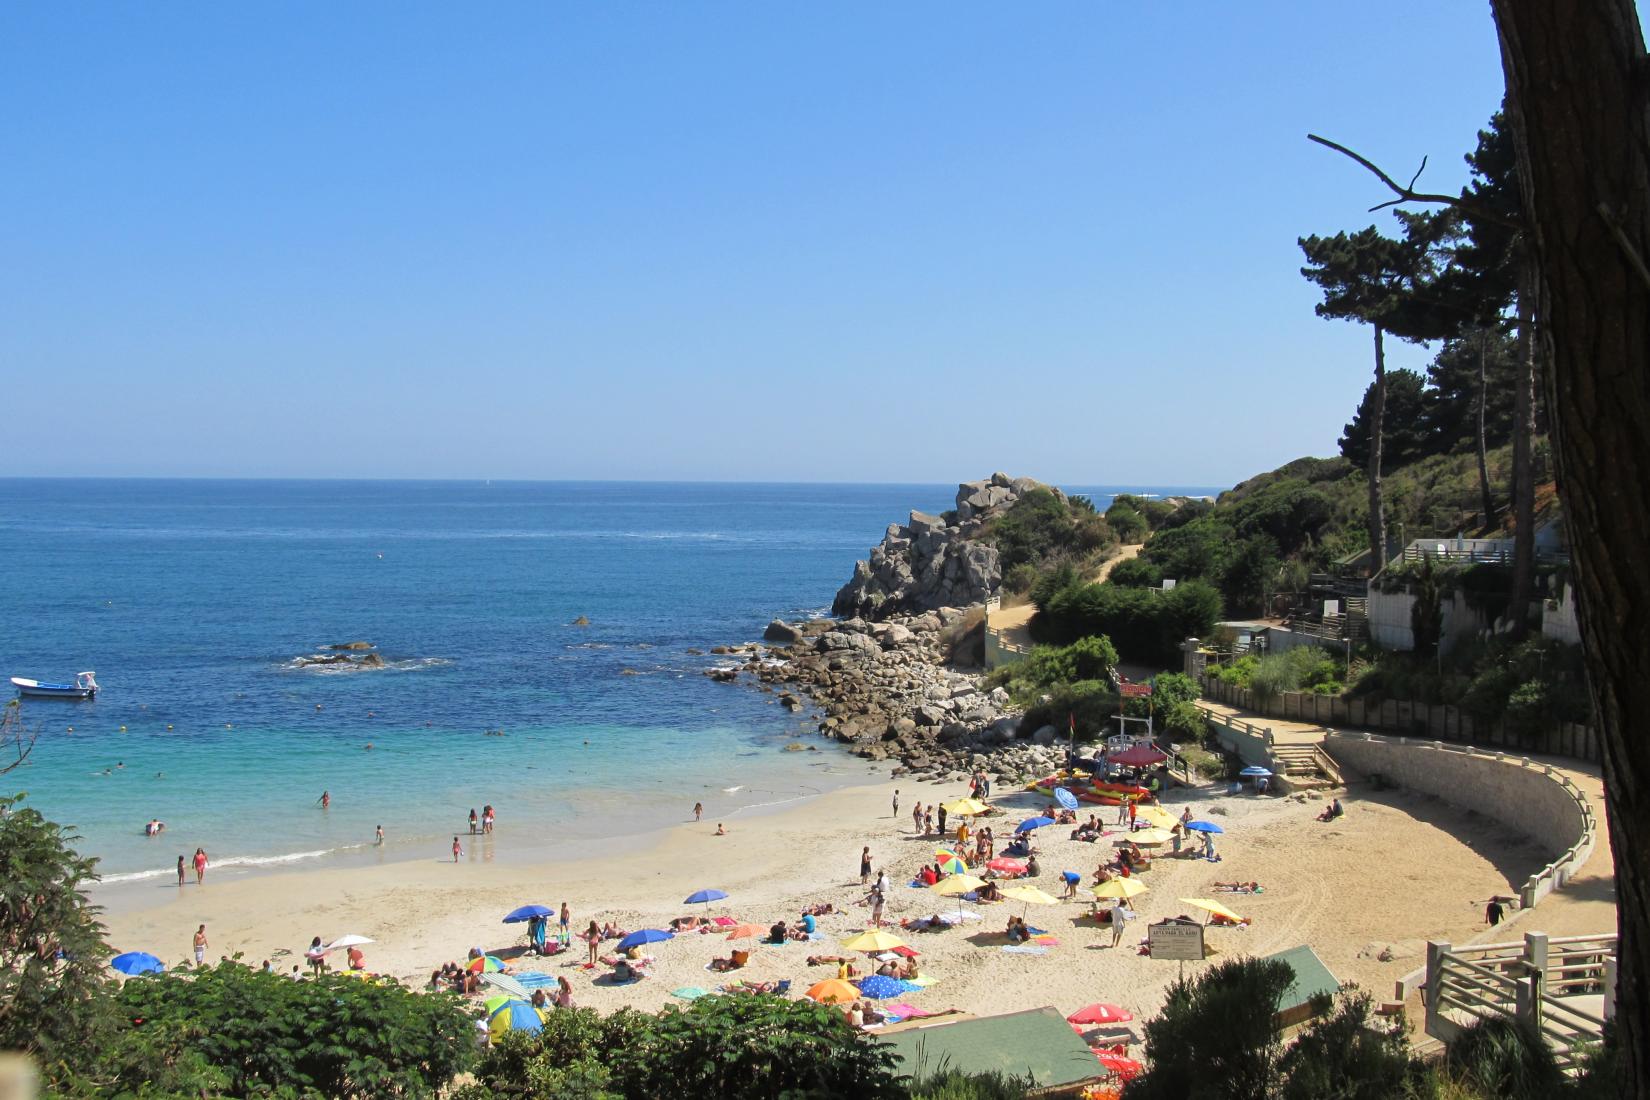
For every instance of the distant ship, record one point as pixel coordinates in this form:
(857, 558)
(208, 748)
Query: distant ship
(84, 687)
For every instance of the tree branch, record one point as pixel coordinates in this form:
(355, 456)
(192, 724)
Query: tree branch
(1409, 194)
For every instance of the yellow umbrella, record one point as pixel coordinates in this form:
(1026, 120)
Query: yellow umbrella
(1156, 816)
(1149, 837)
(1118, 888)
(874, 940)
(1030, 895)
(954, 885)
(835, 991)
(1213, 907)
(967, 807)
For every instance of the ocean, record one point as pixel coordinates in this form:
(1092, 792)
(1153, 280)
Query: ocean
(194, 600)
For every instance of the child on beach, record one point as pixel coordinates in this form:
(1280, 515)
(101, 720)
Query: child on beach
(181, 865)
(593, 940)
(896, 801)
(378, 836)
(698, 810)
(458, 849)
(564, 934)
(472, 821)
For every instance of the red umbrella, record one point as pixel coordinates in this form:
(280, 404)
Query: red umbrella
(1101, 1013)
(1140, 756)
(1004, 866)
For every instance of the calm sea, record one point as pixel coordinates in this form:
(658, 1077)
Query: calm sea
(192, 599)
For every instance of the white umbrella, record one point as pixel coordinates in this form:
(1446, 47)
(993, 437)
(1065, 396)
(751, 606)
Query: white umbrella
(347, 941)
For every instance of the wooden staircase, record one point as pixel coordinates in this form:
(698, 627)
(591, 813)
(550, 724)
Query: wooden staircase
(1305, 767)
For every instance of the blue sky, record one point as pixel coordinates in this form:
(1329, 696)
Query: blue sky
(831, 242)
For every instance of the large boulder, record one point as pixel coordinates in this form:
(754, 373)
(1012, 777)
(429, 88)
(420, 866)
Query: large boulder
(781, 631)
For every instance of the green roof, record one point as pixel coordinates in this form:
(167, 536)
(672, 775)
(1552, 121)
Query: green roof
(1037, 1043)
(1312, 977)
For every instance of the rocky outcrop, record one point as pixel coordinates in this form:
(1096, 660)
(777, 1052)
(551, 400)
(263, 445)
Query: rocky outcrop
(359, 646)
(365, 660)
(935, 561)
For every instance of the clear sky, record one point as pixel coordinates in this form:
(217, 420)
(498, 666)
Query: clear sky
(878, 242)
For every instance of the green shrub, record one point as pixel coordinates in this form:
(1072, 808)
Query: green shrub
(1184, 722)
(1041, 525)
(1091, 703)
(1216, 1035)
(1136, 573)
(1348, 1056)
(1018, 579)
(1144, 624)
(1169, 688)
(1128, 525)
(951, 1084)
(1505, 1058)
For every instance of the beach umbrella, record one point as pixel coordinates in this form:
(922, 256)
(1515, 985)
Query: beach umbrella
(1118, 888)
(1140, 756)
(965, 807)
(704, 897)
(1031, 823)
(1101, 1012)
(514, 1015)
(950, 862)
(746, 931)
(350, 940)
(1156, 816)
(834, 991)
(137, 962)
(508, 985)
(1005, 866)
(496, 1001)
(1065, 798)
(1254, 771)
(1211, 906)
(878, 986)
(955, 886)
(1152, 836)
(874, 940)
(645, 936)
(1030, 895)
(486, 964)
(527, 913)
(1204, 827)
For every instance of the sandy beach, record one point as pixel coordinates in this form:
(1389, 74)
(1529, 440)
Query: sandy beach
(1365, 891)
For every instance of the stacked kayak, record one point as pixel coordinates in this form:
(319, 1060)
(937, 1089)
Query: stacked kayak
(1089, 789)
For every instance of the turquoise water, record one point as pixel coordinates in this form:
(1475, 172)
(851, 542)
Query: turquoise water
(191, 600)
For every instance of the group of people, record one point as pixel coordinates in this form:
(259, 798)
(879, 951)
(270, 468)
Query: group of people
(484, 824)
(200, 862)
(538, 933)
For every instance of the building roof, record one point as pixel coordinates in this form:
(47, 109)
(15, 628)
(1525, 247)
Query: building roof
(1312, 977)
(1037, 1043)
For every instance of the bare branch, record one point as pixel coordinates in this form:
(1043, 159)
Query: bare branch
(14, 732)
(1409, 194)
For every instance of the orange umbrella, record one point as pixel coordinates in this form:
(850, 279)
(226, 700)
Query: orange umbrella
(833, 992)
(746, 931)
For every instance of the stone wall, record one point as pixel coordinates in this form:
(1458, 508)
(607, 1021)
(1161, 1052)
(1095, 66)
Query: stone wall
(1528, 797)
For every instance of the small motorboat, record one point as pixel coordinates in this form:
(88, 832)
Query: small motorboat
(84, 687)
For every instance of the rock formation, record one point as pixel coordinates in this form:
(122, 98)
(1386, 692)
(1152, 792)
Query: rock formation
(935, 561)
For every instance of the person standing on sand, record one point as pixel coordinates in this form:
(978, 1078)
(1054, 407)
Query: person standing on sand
(1132, 813)
(942, 820)
(916, 818)
(896, 801)
(593, 940)
(1119, 915)
(181, 865)
(698, 810)
(200, 946)
(928, 820)
(458, 849)
(565, 935)
(876, 908)
(200, 866)
(865, 865)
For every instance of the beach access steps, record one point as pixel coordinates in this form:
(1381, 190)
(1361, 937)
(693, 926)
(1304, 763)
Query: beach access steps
(1297, 765)
(1563, 987)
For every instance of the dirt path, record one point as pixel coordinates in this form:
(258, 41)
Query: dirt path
(1013, 623)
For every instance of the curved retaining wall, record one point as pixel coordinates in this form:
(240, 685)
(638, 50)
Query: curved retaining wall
(1524, 795)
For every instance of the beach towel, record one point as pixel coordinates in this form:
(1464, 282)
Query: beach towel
(903, 1011)
(921, 981)
(1045, 939)
(1026, 950)
(723, 922)
(535, 981)
(689, 993)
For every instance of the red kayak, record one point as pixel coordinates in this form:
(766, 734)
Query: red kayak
(1087, 789)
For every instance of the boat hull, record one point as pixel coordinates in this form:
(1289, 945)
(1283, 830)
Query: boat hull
(35, 689)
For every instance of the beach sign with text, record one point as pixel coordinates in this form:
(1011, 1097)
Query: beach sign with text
(1172, 939)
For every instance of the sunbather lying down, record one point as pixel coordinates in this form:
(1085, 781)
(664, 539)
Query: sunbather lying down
(935, 923)
(821, 960)
(733, 962)
(819, 910)
(757, 987)
(691, 924)
(1240, 887)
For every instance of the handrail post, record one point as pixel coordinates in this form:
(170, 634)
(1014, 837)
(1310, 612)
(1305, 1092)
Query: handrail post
(1609, 1012)
(1430, 989)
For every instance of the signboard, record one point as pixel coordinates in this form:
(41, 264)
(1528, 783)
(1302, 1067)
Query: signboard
(1173, 940)
(1135, 691)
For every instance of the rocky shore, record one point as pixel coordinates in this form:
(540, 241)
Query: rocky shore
(899, 676)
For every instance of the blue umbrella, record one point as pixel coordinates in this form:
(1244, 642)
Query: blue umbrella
(1065, 798)
(1204, 827)
(1031, 823)
(705, 897)
(137, 962)
(878, 987)
(1254, 771)
(515, 1016)
(645, 936)
(528, 912)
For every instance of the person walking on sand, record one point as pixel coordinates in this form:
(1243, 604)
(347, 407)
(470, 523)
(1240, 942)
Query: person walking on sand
(1119, 916)
(182, 864)
(1493, 912)
(896, 801)
(325, 800)
(865, 865)
(200, 946)
(1133, 811)
(458, 849)
(200, 866)
(698, 810)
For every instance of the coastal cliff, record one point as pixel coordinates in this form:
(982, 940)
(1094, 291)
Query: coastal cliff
(936, 561)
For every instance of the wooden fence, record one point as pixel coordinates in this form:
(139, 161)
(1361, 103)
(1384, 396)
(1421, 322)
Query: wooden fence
(1433, 721)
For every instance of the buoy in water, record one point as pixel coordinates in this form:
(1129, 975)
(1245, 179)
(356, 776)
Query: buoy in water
(122, 729)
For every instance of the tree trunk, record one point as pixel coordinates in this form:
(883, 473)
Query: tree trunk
(1377, 516)
(1483, 442)
(1523, 459)
(1575, 73)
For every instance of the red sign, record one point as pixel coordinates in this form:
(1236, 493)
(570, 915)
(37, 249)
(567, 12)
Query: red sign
(1135, 691)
